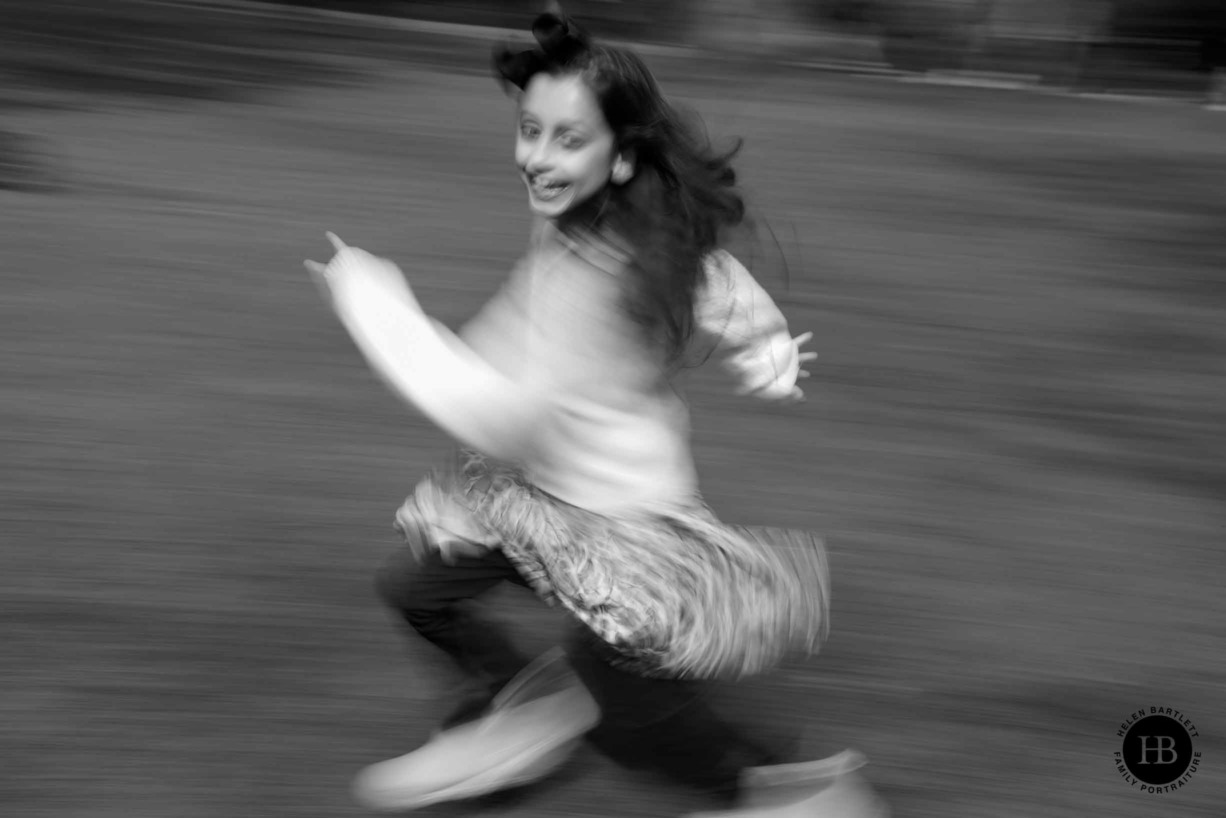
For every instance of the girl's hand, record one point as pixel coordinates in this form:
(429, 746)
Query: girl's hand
(325, 274)
(352, 265)
(797, 394)
(410, 525)
(450, 529)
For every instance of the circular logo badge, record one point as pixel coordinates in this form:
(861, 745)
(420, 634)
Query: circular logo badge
(1157, 754)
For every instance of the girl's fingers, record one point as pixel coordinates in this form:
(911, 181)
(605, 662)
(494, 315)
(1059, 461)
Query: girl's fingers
(801, 340)
(804, 373)
(337, 244)
(808, 356)
(319, 275)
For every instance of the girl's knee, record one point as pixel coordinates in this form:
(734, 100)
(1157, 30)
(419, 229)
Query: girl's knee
(397, 579)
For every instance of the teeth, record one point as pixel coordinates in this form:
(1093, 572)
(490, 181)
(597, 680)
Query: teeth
(547, 190)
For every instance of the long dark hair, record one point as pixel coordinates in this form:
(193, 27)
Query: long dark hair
(682, 198)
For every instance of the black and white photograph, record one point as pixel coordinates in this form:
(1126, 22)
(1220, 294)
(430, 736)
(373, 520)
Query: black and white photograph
(613, 408)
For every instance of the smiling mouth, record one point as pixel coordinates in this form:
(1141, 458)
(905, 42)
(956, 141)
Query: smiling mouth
(547, 191)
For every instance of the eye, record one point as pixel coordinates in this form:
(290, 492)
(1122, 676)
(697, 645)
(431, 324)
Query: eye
(572, 141)
(529, 131)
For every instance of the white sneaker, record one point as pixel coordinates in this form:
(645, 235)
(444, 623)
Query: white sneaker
(524, 738)
(828, 788)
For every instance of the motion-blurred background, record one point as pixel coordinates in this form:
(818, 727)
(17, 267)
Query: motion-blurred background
(1005, 223)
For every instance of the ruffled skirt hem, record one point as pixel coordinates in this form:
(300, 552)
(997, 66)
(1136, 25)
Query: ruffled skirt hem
(676, 594)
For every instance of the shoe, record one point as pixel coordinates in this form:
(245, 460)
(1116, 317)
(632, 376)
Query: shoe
(531, 729)
(828, 788)
(472, 707)
(548, 673)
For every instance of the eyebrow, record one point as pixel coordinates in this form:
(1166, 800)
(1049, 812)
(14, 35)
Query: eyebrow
(565, 124)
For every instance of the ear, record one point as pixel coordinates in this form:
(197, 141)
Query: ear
(623, 168)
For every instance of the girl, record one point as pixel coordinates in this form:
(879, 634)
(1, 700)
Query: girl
(577, 479)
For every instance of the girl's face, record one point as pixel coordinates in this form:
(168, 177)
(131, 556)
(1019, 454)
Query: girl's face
(565, 150)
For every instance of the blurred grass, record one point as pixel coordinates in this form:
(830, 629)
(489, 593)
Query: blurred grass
(1014, 439)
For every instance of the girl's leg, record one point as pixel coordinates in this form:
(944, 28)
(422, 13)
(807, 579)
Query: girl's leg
(434, 598)
(664, 723)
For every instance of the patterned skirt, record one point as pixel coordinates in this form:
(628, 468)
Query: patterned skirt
(676, 594)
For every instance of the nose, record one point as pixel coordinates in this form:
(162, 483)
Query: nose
(539, 158)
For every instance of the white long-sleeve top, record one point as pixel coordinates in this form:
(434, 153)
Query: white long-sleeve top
(554, 375)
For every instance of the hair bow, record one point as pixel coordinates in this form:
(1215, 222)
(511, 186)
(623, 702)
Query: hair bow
(560, 41)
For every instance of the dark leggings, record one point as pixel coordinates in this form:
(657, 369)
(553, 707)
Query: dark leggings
(661, 723)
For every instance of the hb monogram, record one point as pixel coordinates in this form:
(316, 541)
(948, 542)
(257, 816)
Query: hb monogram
(1164, 749)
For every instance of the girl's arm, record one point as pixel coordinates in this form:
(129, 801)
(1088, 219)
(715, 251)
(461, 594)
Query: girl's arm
(737, 324)
(425, 363)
